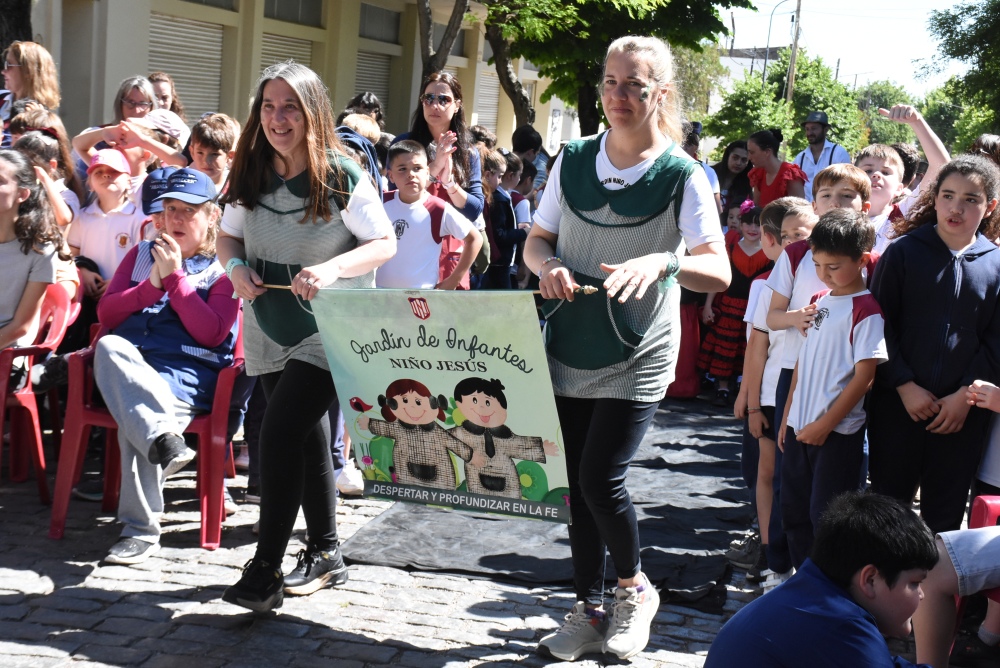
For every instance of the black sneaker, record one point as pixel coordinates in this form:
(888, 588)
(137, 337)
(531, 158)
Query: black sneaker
(755, 573)
(171, 452)
(260, 588)
(316, 570)
(131, 551)
(746, 553)
(721, 398)
(53, 372)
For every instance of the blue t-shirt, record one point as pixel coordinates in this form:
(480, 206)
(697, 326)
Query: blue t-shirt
(808, 621)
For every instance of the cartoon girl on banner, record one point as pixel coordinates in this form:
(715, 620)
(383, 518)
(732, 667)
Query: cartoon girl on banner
(420, 454)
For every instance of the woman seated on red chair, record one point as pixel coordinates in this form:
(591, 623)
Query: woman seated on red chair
(172, 321)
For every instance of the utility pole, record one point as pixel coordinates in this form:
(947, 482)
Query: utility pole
(836, 77)
(795, 51)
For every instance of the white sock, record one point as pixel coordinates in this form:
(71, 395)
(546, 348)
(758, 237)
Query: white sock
(988, 637)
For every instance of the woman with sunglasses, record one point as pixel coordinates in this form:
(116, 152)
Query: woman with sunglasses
(633, 200)
(456, 169)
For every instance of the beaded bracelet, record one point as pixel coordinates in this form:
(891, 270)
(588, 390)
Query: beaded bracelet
(673, 266)
(754, 410)
(545, 262)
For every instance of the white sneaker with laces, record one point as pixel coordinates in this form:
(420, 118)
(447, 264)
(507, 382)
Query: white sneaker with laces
(629, 620)
(583, 633)
(773, 579)
(351, 482)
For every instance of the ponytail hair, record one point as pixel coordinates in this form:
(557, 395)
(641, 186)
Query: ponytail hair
(769, 140)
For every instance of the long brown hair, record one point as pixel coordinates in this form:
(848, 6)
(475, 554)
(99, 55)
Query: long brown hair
(252, 167)
(176, 105)
(419, 131)
(975, 167)
(38, 73)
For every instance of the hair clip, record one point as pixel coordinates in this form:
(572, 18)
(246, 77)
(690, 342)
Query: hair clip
(747, 207)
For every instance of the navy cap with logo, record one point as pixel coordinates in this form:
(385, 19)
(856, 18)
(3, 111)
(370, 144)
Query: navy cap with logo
(190, 186)
(154, 186)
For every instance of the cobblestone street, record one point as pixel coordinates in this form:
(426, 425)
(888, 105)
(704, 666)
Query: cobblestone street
(60, 607)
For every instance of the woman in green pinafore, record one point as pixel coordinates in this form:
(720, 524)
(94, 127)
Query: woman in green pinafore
(299, 213)
(617, 213)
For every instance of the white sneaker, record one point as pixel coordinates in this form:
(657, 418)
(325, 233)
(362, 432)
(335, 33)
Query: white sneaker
(583, 633)
(772, 579)
(629, 620)
(350, 482)
(243, 461)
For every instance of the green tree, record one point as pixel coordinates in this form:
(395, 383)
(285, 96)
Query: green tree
(749, 106)
(969, 33)
(883, 94)
(817, 90)
(974, 120)
(941, 108)
(510, 20)
(574, 56)
(697, 74)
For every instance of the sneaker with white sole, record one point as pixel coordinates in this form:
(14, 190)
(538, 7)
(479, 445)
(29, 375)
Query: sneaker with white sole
(243, 461)
(350, 482)
(583, 633)
(131, 551)
(772, 579)
(629, 620)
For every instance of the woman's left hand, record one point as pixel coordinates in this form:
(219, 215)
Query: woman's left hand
(951, 416)
(167, 255)
(307, 283)
(632, 277)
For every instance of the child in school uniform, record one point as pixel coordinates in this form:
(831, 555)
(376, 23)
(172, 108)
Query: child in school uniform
(413, 212)
(793, 283)
(213, 145)
(822, 431)
(504, 231)
(939, 287)
(755, 403)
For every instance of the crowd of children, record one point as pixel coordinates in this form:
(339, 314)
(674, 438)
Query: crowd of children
(861, 326)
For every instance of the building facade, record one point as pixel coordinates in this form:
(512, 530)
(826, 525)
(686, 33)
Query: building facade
(216, 49)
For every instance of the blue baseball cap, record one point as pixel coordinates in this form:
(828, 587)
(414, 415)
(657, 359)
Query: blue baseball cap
(190, 186)
(154, 186)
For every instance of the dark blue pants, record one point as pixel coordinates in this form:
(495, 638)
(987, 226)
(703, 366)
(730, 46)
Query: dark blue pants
(602, 436)
(749, 461)
(779, 559)
(904, 455)
(811, 477)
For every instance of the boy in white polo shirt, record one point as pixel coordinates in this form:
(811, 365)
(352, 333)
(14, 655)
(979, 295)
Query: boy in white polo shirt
(822, 432)
(421, 221)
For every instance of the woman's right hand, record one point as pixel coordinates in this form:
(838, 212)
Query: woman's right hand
(707, 314)
(919, 403)
(441, 167)
(246, 283)
(557, 282)
(93, 284)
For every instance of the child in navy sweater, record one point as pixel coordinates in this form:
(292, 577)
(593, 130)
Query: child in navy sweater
(939, 289)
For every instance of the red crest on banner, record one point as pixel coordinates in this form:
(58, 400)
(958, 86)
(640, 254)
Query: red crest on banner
(420, 308)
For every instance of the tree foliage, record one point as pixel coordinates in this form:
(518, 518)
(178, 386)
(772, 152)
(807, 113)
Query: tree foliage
(573, 57)
(941, 109)
(816, 90)
(749, 106)
(974, 120)
(883, 94)
(968, 33)
(698, 73)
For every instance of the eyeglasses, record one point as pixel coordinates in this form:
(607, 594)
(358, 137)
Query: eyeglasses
(7, 65)
(443, 100)
(140, 106)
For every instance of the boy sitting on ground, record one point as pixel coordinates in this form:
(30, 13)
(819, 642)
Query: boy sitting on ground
(862, 583)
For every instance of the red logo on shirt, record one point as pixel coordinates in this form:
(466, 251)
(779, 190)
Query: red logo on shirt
(420, 308)
(123, 240)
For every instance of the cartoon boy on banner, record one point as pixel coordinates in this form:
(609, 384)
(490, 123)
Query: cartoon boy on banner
(388, 348)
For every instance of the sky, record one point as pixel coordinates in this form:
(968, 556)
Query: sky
(873, 40)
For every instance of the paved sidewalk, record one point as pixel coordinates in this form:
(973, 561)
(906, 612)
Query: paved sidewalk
(60, 607)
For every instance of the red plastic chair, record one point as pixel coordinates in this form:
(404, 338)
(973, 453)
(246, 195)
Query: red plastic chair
(55, 412)
(82, 414)
(25, 430)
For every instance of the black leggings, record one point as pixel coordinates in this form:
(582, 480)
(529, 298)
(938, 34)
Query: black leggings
(296, 468)
(602, 436)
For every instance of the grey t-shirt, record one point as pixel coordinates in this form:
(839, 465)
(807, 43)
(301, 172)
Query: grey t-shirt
(18, 270)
